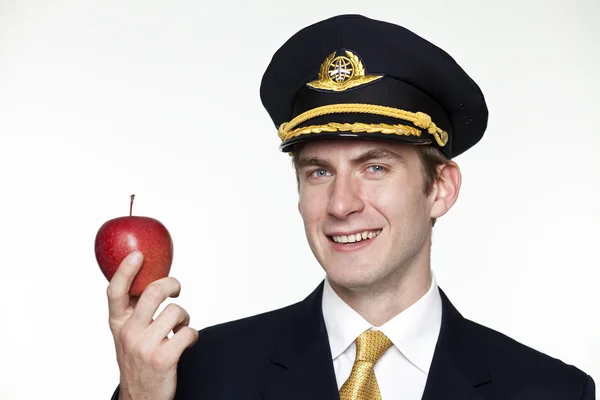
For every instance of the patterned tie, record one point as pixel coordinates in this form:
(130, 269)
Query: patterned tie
(362, 384)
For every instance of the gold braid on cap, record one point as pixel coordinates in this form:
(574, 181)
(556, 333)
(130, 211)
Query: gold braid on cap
(288, 130)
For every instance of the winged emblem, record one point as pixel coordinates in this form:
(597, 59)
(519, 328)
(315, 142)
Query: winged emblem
(342, 72)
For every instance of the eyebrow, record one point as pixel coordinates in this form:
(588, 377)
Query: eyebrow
(304, 162)
(377, 154)
(370, 155)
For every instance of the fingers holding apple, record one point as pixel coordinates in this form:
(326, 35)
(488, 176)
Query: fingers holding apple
(141, 330)
(147, 357)
(172, 318)
(152, 297)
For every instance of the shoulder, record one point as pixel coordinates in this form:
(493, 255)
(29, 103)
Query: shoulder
(252, 336)
(239, 350)
(260, 327)
(519, 365)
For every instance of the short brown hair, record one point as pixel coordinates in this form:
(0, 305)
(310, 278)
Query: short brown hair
(431, 158)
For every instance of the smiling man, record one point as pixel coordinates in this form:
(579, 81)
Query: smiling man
(368, 217)
(373, 116)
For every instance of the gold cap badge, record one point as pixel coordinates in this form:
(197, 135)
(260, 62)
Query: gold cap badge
(339, 73)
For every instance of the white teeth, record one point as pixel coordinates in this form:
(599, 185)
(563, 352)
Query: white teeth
(356, 237)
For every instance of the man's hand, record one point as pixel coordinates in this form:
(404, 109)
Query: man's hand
(147, 358)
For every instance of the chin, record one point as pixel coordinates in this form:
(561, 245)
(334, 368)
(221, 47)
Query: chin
(352, 278)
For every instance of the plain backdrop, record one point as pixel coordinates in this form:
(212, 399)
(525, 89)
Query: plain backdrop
(102, 99)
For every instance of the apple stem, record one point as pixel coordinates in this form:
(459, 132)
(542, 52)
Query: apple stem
(131, 204)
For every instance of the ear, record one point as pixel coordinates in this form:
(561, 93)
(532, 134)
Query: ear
(445, 189)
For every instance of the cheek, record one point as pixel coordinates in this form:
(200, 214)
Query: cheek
(312, 205)
(398, 203)
(388, 196)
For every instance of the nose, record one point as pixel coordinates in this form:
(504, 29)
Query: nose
(345, 198)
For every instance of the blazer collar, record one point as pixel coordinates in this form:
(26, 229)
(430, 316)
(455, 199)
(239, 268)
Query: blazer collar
(302, 367)
(458, 365)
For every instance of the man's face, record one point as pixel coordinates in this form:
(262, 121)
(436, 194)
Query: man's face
(372, 189)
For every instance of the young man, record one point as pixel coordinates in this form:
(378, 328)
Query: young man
(372, 115)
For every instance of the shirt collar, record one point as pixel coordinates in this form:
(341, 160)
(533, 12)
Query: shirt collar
(414, 332)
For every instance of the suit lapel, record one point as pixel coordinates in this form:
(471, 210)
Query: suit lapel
(302, 366)
(458, 366)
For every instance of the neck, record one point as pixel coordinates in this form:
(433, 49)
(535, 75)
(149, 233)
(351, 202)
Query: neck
(380, 302)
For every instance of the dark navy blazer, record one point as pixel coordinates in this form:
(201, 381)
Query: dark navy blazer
(285, 355)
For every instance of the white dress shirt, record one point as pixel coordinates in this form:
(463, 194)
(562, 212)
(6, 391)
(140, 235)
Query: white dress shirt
(402, 371)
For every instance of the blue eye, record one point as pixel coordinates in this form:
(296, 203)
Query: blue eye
(376, 168)
(319, 173)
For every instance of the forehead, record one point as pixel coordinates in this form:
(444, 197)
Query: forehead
(350, 147)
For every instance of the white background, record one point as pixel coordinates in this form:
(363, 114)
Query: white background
(101, 99)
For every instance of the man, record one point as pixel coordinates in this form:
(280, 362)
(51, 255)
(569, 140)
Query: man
(373, 116)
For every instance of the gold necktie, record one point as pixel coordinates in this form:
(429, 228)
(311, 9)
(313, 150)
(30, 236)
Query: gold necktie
(362, 384)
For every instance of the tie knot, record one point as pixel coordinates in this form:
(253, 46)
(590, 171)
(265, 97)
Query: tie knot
(371, 345)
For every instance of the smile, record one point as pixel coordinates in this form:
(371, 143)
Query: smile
(356, 237)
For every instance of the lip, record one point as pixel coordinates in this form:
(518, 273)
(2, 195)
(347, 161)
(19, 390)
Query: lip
(350, 247)
(339, 233)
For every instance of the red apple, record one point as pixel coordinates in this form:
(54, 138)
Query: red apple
(120, 236)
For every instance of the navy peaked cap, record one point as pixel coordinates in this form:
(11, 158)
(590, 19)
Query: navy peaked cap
(352, 76)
